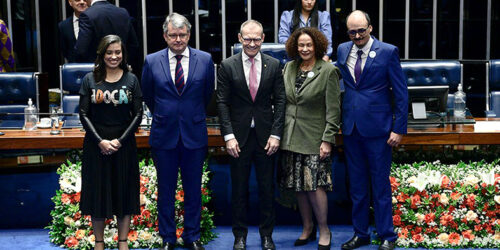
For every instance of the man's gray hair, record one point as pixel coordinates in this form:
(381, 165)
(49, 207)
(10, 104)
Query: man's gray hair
(249, 21)
(178, 21)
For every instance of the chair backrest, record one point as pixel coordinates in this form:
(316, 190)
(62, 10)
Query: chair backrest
(276, 50)
(16, 88)
(70, 105)
(72, 76)
(435, 72)
(493, 87)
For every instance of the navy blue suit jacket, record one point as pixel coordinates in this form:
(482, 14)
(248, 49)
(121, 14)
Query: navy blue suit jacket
(378, 104)
(102, 19)
(177, 115)
(67, 39)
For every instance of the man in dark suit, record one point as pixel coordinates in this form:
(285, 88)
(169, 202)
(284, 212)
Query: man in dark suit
(68, 30)
(99, 20)
(251, 105)
(373, 81)
(177, 84)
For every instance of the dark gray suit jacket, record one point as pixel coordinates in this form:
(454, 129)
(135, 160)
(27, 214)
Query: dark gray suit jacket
(235, 105)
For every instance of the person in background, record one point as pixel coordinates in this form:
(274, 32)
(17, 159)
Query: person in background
(7, 63)
(178, 83)
(68, 30)
(312, 119)
(110, 112)
(374, 119)
(100, 19)
(306, 14)
(251, 105)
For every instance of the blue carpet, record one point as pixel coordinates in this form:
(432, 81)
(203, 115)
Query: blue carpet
(284, 236)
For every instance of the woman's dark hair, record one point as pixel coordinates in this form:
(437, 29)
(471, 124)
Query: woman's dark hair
(319, 40)
(297, 10)
(100, 65)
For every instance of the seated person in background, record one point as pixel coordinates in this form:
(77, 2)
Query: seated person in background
(306, 14)
(7, 63)
(68, 30)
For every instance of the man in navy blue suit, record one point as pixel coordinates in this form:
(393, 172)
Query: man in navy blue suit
(68, 30)
(177, 84)
(99, 20)
(374, 118)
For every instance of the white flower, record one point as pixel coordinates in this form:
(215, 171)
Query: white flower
(443, 237)
(497, 199)
(394, 200)
(68, 220)
(145, 235)
(412, 179)
(488, 178)
(443, 198)
(420, 182)
(497, 236)
(420, 217)
(434, 178)
(471, 180)
(470, 215)
(143, 199)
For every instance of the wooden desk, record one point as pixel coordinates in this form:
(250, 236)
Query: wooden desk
(73, 138)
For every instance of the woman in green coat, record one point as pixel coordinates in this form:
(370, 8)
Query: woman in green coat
(312, 119)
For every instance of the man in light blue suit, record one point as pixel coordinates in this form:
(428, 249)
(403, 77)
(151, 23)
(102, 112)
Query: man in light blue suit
(177, 84)
(374, 118)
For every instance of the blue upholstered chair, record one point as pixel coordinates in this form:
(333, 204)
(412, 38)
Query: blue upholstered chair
(435, 72)
(493, 88)
(15, 89)
(71, 75)
(276, 50)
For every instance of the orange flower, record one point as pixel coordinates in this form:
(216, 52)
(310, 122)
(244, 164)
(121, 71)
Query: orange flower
(71, 242)
(132, 235)
(178, 232)
(77, 216)
(470, 201)
(446, 219)
(418, 238)
(394, 184)
(180, 196)
(144, 180)
(146, 214)
(66, 198)
(403, 234)
(79, 234)
(455, 196)
(454, 239)
(76, 197)
(445, 181)
(468, 234)
(204, 191)
(415, 201)
(396, 220)
(429, 218)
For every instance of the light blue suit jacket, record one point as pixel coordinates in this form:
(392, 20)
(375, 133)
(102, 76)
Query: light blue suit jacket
(177, 115)
(378, 104)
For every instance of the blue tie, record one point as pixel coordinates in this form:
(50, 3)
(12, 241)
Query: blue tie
(179, 75)
(357, 67)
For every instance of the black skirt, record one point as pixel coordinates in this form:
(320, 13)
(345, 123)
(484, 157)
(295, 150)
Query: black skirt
(110, 183)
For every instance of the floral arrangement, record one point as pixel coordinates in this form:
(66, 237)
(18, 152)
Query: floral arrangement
(70, 229)
(446, 206)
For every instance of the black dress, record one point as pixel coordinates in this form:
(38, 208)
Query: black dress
(110, 183)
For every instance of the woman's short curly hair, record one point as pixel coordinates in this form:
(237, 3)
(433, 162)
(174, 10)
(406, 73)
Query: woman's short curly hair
(319, 40)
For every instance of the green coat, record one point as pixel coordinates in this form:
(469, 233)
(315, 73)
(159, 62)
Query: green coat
(312, 115)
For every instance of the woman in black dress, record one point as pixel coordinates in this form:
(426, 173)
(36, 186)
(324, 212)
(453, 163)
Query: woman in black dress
(110, 111)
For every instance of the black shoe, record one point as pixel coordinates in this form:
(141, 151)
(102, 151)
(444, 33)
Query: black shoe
(240, 243)
(355, 242)
(267, 243)
(387, 245)
(327, 247)
(195, 245)
(311, 237)
(168, 246)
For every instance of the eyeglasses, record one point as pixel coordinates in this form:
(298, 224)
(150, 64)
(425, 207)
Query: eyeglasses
(174, 36)
(358, 31)
(250, 40)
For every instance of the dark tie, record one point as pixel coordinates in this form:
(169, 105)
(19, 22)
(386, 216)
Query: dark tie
(179, 75)
(357, 67)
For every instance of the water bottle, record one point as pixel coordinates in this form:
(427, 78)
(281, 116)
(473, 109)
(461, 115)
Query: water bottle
(459, 103)
(30, 116)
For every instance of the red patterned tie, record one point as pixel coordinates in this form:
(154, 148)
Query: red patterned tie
(252, 79)
(179, 75)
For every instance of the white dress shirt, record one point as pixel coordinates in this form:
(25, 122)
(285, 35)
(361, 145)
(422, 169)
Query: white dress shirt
(184, 62)
(76, 29)
(95, 1)
(246, 69)
(353, 56)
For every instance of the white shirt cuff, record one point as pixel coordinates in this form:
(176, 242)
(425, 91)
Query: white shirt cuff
(276, 137)
(228, 137)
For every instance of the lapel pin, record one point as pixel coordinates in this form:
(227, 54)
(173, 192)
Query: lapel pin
(372, 54)
(310, 74)
(265, 65)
